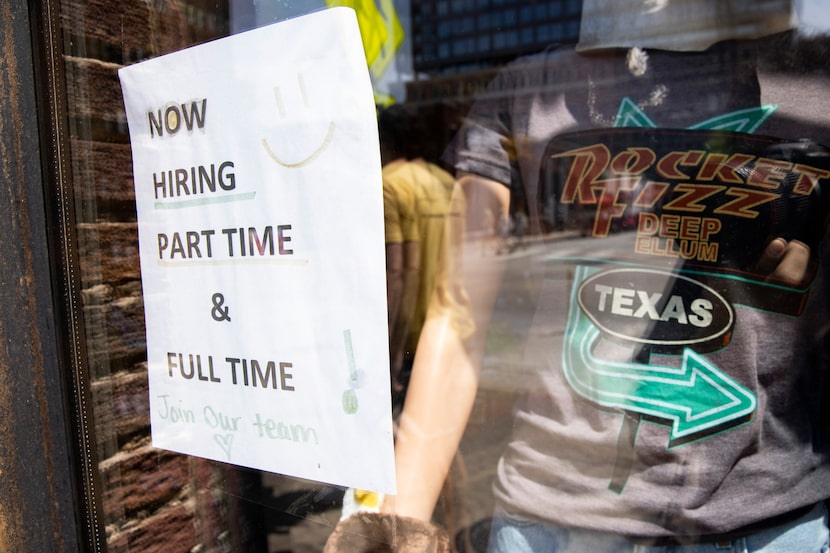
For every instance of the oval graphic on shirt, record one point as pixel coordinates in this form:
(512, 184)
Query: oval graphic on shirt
(664, 311)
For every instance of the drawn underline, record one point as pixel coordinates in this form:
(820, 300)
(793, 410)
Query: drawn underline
(205, 201)
(234, 261)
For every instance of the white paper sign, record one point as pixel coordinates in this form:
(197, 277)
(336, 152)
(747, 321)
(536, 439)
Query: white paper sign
(260, 217)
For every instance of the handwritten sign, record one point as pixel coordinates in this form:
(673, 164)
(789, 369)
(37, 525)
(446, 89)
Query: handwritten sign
(260, 217)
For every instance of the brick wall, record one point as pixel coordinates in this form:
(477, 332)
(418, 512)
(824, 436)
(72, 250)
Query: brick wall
(152, 500)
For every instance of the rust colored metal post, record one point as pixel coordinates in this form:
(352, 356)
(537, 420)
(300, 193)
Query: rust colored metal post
(37, 506)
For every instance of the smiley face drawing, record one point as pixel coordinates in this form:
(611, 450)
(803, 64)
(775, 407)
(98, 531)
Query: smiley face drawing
(302, 158)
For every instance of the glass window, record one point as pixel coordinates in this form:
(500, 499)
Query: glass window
(601, 269)
(444, 29)
(498, 20)
(558, 31)
(443, 50)
(572, 30)
(500, 40)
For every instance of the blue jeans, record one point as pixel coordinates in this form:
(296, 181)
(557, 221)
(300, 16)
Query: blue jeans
(808, 534)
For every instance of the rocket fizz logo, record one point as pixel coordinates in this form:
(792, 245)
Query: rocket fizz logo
(697, 208)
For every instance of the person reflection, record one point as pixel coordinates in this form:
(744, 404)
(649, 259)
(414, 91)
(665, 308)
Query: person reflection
(418, 202)
(675, 403)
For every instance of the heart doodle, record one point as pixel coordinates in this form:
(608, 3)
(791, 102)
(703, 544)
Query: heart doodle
(225, 442)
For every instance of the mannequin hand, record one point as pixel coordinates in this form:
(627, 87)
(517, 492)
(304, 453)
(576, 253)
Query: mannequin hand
(785, 262)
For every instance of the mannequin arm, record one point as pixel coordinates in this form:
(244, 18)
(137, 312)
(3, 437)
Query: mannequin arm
(444, 377)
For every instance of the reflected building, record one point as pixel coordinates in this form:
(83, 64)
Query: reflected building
(458, 46)
(470, 35)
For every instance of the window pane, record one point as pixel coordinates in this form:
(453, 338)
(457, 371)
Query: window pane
(653, 220)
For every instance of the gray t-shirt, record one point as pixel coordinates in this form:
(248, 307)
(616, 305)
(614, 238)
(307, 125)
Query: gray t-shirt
(676, 390)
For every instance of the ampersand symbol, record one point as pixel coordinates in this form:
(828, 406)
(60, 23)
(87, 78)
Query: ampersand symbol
(218, 312)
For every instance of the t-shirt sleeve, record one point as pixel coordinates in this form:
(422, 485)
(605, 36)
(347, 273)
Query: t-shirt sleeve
(399, 216)
(484, 144)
